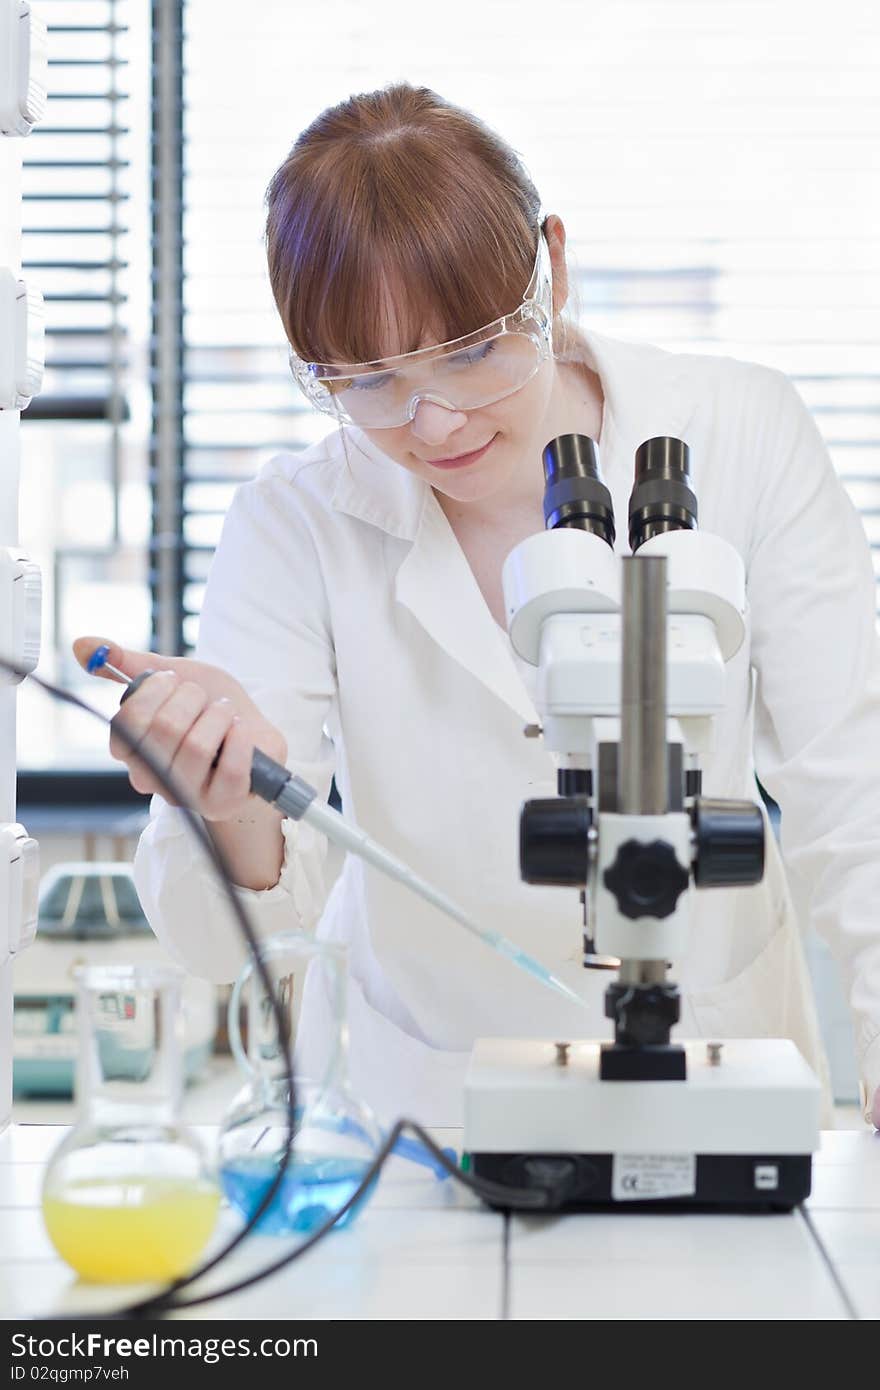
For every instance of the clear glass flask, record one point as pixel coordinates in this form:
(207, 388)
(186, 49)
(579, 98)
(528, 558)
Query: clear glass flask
(129, 1194)
(336, 1136)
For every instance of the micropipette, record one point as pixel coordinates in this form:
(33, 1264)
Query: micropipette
(282, 788)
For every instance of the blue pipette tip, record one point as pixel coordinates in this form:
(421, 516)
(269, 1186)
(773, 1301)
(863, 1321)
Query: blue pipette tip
(97, 659)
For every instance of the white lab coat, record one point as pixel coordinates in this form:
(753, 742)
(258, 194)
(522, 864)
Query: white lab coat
(341, 600)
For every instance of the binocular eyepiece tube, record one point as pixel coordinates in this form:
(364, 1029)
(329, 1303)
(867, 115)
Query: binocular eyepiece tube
(574, 493)
(662, 498)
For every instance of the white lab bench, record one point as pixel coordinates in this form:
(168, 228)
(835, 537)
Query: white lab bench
(425, 1248)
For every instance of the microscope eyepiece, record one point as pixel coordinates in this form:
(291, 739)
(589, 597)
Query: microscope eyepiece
(662, 498)
(574, 494)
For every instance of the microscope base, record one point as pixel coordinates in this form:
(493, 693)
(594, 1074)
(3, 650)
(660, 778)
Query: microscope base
(739, 1134)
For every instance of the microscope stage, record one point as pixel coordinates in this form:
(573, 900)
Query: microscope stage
(736, 1133)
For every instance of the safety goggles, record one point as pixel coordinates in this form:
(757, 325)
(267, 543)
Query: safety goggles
(463, 374)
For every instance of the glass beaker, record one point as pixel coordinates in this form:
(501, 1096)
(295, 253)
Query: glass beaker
(128, 1195)
(336, 1136)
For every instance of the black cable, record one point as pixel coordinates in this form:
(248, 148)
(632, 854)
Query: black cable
(164, 1300)
(166, 781)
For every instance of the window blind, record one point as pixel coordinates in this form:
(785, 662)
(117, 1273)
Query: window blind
(84, 495)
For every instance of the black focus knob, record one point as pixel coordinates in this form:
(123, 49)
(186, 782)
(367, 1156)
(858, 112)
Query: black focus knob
(646, 879)
(554, 841)
(730, 843)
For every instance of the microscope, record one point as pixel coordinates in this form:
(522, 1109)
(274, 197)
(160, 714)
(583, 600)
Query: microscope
(630, 655)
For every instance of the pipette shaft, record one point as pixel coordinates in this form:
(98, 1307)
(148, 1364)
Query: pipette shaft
(275, 784)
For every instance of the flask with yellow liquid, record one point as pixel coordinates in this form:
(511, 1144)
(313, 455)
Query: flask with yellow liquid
(128, 1195)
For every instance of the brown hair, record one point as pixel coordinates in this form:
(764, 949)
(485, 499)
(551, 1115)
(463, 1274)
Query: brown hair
(396, 191)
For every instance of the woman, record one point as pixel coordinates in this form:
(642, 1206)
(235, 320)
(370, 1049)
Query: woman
(353, 623)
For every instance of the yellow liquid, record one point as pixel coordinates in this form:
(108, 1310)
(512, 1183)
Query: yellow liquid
(124, 1230)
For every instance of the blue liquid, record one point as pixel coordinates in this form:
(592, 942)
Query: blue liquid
(311, 1191)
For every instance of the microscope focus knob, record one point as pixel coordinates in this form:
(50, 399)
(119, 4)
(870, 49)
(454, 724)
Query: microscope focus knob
(730, 843)
(554, 841)
(646, 879)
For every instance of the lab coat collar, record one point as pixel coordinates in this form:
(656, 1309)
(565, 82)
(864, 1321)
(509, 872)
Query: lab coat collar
(372, 487)
(644, 394)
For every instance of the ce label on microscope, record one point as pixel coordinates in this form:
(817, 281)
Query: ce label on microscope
(638, 1177)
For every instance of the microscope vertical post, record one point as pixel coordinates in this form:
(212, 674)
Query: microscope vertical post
(641, 1003)
(643, 778)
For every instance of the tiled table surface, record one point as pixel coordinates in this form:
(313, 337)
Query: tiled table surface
(428, 1249)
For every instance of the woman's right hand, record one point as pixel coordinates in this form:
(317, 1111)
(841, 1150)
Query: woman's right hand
(182, 716)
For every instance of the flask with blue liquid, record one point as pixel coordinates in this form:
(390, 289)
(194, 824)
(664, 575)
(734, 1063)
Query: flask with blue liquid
(336, 1136)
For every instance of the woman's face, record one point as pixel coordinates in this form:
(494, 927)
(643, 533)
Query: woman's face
(471, 456)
